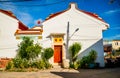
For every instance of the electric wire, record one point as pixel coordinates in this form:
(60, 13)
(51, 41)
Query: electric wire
(17, 0)
(33, 5)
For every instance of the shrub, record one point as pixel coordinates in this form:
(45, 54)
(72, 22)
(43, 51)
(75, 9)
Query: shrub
(26, 63)
(92, 56)
(48, 53)
(75, 65)
(28, 54)
(47, 65)
(20, 63)
(84, 61)
(74, 50)
(17, 63)
(41, 64)
(10, 65)
(89, 59)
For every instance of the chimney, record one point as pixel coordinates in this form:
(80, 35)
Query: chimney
(73, 5)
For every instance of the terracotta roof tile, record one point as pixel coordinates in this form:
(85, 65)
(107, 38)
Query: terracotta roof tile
(88, 13)
(29, 32)
(55, 14)
(9, 13)
(93, 15)
(22, 26)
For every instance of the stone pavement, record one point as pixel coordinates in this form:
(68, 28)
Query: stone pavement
(65, 73)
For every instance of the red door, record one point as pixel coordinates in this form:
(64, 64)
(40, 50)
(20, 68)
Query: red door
(57, 54)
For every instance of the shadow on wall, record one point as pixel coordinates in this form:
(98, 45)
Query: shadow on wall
(98, 47)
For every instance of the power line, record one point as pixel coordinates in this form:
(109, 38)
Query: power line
(32, 5)
(16, 0)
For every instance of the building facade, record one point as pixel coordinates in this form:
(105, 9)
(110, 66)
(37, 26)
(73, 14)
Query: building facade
(89, 35)
(8, 25)
(59, 31)
(116, 44)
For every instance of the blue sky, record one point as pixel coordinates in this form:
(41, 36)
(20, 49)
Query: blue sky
(32, 10)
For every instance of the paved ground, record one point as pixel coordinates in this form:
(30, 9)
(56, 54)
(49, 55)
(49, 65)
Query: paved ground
(65, 73)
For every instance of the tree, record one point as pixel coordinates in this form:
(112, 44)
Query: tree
(33, 51)
(74, 50)
(28, 50)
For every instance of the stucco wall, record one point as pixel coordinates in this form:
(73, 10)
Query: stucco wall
(89, 34)
(8, 44)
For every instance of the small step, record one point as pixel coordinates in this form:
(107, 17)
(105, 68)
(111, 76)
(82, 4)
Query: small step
(57, 66)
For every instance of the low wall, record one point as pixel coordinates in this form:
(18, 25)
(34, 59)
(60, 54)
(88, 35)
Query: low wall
(4, 62)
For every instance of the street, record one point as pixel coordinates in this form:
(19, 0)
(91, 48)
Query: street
(65, 73)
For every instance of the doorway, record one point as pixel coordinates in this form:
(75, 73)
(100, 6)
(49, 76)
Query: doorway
(58, 54)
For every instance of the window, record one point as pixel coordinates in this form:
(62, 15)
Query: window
(39, 37)
(58, 40)
(116, 43)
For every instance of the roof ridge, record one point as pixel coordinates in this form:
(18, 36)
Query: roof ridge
(94, 15)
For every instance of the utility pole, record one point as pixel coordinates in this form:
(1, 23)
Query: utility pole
(66, 61)
(67, 39)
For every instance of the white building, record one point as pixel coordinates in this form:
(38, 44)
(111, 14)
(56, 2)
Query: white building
(116, 44)
(89, 34)
(11, 33)
(8, 25)
(54, 33)
(34, 33)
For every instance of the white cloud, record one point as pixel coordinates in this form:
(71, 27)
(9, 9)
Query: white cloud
(9, 6)
(24, 17)
(115, 28)
(116, 36)
(112, 11)
(113, 37)
(35, 22)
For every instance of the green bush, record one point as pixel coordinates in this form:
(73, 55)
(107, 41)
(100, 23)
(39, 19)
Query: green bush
(20, 63)
(27, 56)
(75, 65)
(74, 50)
(48, 53)
(41, 64)
(89, 59)
(92, 55)
(47, 65)
(10, 65)
(26, 63)
(84, 61)
(17, 63)
(28, 50)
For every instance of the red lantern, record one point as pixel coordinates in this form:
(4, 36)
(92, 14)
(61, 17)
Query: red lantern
(38, 22)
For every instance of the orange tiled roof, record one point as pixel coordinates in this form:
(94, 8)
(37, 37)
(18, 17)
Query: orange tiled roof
(93, 15)
(55, 14)
(88, 13)
(29, 32)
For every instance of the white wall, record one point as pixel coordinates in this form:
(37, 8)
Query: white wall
(8, 44)
(89, 34)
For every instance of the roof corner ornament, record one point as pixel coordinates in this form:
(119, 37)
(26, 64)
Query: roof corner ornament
(73, 5)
